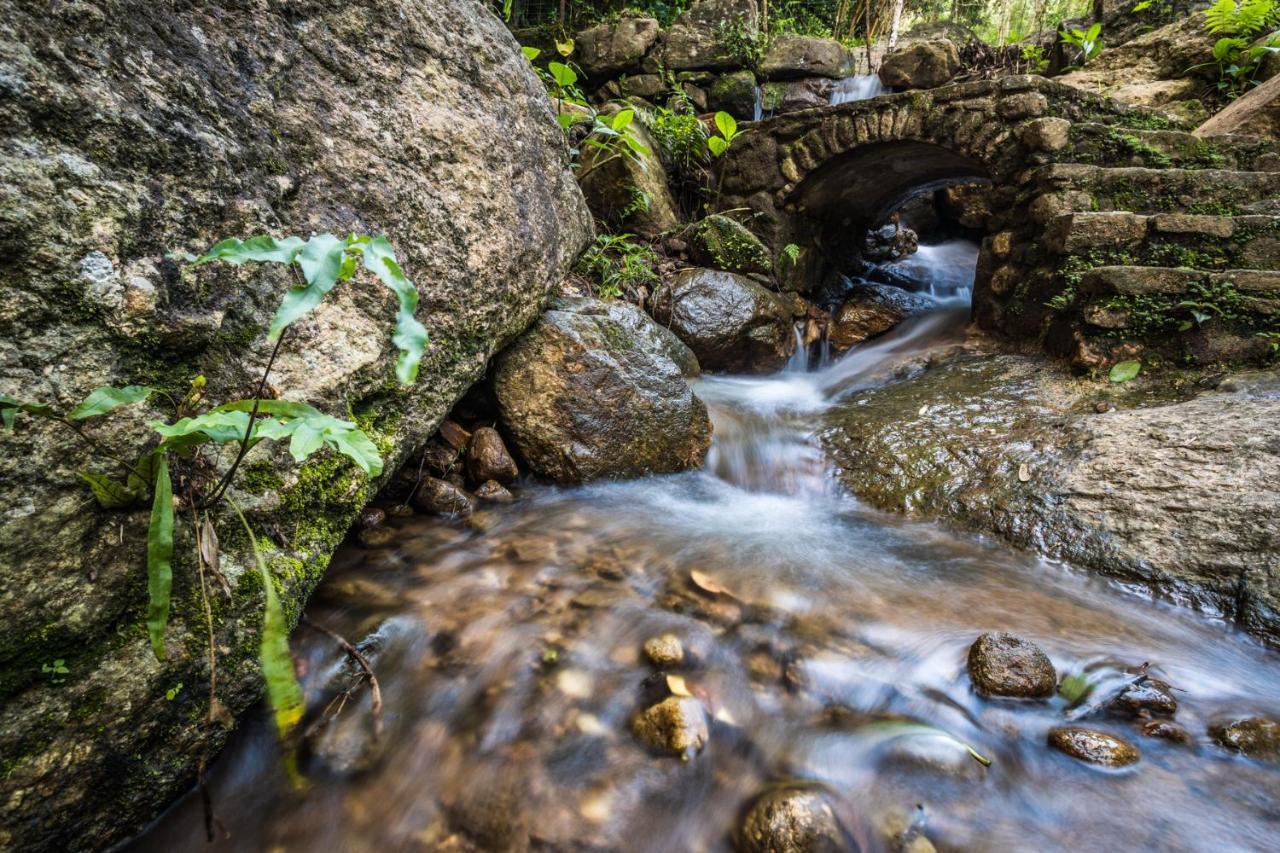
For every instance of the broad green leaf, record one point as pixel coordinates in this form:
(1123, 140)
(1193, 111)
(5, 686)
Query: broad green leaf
(908, 728)
(143, 474)
(221, 427)
(10, 407)
(111, 494)
(640, 149)
(160, 558)
(282, 408)
(727, 125)
(1093, 32)
(358, 446)
(410, 336)
(531, 53)
(622, 120)
(1124, 371)
(283, 690)
(562, 74)
(261, 248)
(716, 145)
(108, 399)
(566, 120)
(272, 429)
(307, 439)
(321, 261)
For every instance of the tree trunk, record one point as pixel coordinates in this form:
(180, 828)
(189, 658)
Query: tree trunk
(897, 22)
(1243, 108)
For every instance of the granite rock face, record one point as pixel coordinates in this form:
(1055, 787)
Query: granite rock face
(134, 129)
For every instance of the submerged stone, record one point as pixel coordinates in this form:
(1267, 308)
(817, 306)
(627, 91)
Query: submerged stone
(664, 650)
(442, 498)
(1093, 747)
(792, 819)
(677, 724)
(1254, 737)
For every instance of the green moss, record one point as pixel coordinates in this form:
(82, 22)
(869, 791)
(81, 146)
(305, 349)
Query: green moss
(725, 244)
(259, 478)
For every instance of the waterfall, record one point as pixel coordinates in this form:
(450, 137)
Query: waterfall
(859, 87)
(758, 109)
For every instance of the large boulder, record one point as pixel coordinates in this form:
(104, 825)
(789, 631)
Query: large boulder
(788, 96)
(921, 65)
(592, 390)
(696, 40)
(137, 128)
(871, 310)
(613, 184)
(609, 48)
(731, 323)
(790, 57)
(734, 94)
(1177, 498)
(726, 244)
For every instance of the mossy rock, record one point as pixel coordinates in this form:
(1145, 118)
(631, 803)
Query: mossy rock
(721, 243)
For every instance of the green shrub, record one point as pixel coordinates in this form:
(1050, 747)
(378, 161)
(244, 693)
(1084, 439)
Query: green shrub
(619, 266)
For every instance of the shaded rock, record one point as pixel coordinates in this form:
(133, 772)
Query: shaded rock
(453, 434)
(722, 243)
(890, 243)
(1151, 696)
(792, 819)
(870, 310)
(677, 724)
(1166, 730)
(1254, 737)
(134, 129)
(790, 57)
(610, 184)
(442, 498)
(789, 96)
(1004, 665)
(488, 459)
(731, 323)
(1093, 747)
(734, 94)
(921, 65)
(494, 492)
(610, 48)
(694, 42)
(664, 650)
(584, 395)
(372, 516)
(1199, 472)
(376, 537)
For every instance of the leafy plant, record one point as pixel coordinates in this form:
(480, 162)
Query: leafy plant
(681, 137)
(189, 440)
(1244, 18)
(1087, 42)
(743, 42)
(1034, 56)
(1124, 371)
(727, 128)
(619, 265)
(1238, 23)
(55, 671)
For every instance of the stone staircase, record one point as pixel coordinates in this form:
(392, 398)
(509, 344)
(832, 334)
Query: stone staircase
(1148, 244)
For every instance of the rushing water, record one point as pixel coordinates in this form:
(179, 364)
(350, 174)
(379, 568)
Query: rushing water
(509, 656)
(859, 87)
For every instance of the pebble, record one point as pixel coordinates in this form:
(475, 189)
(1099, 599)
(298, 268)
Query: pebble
(677, 725)
(1255, 737)
(664, 650)
(792, 819)
(1004, 665)
(1093, 746)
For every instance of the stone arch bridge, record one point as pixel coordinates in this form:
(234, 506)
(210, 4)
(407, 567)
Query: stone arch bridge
(1103, 218)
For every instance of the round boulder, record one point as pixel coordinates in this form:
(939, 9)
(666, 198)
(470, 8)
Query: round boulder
(921, 65)
(615, 46)
(731, 323)
(592, 391)
(1093, 747)
(724, 244)
(792, 819)
(871, 310)
(677, 724)
(488, 459)
(1001, 664)
(1255, 737)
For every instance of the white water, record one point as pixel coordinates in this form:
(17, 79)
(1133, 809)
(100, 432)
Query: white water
(859, 87)
(947, 269)
(757, 110)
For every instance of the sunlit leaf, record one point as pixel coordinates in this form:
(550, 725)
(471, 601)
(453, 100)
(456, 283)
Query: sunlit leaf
(108, 399)
(410, 336)
(306, 439)
(531, 53)
(562, 74)
(160, 558)
(359, 448)
(727, 125)
(261, 248)
(321, 261)
(564, 48)
(1124, 371)
(717, 145)
(220, 427)
(622, 120)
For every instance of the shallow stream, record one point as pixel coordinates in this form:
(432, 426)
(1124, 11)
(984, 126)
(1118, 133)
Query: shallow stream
(816, 632)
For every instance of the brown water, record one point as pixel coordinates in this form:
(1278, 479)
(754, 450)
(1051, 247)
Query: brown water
(509, 655)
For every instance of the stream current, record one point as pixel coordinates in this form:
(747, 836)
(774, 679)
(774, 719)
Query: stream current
(818, 633)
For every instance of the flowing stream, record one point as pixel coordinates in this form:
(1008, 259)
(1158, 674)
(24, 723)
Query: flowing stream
(508, 651)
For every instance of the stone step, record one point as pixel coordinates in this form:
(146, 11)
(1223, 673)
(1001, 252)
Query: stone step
(1167, 239)
(1093, 143)
(1162, 300)
(1220, 192)
(1174, 281)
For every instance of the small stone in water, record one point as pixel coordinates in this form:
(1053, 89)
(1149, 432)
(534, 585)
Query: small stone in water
(1093, 747)
(488, 459)
(372, 516)
(677, 725)
(664, 650)
(1166, 730)
(1004, 665)
(374, 537)
(454, 434)
(792, 819)
(442, 498)
(400, 511)
(1255, 737)
(1150, 696)
(494, 492)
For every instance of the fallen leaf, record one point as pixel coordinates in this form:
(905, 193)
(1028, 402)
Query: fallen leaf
(706, 583)
(924, 410)
(1024, 472)
(676, 685)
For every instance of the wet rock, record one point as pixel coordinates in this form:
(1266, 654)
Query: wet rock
(792, 56)
(610, 183)
(677, 724)
(494, 492)
(722, 243)
(400, 511)
(1148, 697)
(734, 94)
(614, 46)
(442, 498)
(664, 651)
(792, 95)
(438, 458)
(591, 391)
(454, 434)
(1254, 737)
(731, 323)
(1093, 747)
(376, 537)
(792, 819)
(871, 310)
(488, 459)
(1004, 665)
(921, 65)
(890, 243)
(1166, 730)
(371, 516)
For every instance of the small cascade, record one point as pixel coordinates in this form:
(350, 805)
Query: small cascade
(945, 269)
(757, 111)
(859, 87)
(799, 362)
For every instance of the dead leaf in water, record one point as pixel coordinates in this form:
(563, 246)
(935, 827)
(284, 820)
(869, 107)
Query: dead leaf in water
(1024, 473)
(677, 686)
(706, 583)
